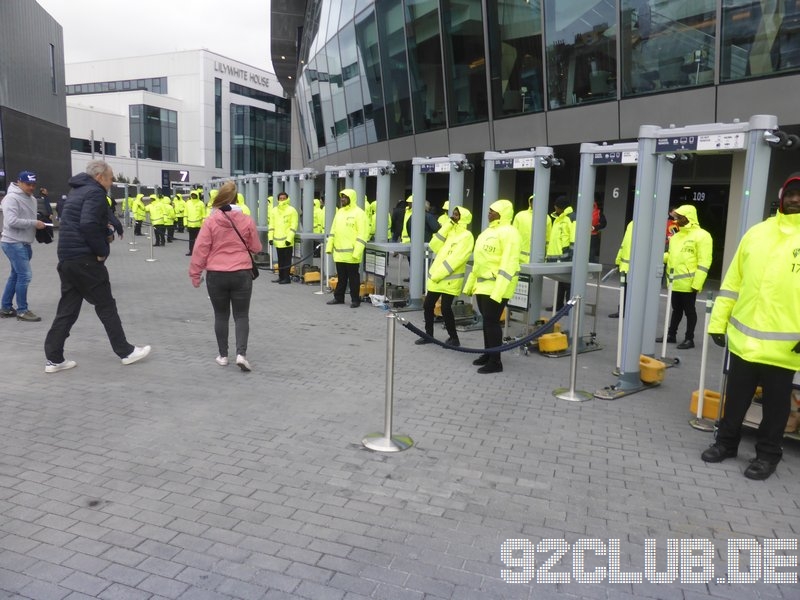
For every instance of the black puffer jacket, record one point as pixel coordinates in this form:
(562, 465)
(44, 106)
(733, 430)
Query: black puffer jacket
(84, 220)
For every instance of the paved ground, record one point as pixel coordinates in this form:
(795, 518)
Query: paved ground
(177, 478)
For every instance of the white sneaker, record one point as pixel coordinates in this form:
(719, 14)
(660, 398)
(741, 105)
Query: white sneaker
(222, 361)
(242, 363)
(139, 352)
(52, 367)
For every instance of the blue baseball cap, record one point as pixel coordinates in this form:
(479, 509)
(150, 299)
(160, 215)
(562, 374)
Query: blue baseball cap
(27, 177)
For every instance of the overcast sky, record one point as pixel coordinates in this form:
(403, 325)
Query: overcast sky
(236, 29)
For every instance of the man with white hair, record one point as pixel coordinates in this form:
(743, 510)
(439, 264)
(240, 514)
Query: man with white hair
(83, 247)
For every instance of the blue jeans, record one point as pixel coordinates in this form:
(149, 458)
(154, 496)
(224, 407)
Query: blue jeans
(19, 255)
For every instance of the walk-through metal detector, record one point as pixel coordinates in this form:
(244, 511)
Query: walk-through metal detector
(592, 157)
(658, 149)
(453, 165)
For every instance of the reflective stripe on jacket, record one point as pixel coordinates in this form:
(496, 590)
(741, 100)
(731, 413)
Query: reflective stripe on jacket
(562, 237)
(759, 300)
(623, 260)
(523, 222)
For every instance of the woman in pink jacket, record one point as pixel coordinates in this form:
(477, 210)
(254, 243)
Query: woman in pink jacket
(222, 254)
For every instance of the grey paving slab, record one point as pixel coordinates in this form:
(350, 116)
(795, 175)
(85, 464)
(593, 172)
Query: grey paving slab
(177, 478)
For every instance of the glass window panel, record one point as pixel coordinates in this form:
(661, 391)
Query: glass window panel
(666, 45)
(372, 90)
(337, 94)
(580, 50)
(759, 38)
(351, 78)
(391, 30)
(516, 51)
(347, 11)
(425, 64)
(462, 25)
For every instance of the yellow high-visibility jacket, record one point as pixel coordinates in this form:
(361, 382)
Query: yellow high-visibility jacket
(759, 300)
(495, 266)
(623, 260)
(139, 210)
(283, 224)
(562, 236)
(347, 238)
(689, 256)
(319, 217)
(453, 245)
(195, 211)
(156, 211)
(523, 221)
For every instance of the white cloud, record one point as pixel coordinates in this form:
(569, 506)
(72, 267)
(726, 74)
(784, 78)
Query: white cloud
(236, 29)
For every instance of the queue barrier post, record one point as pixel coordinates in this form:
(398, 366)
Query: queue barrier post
(699, 422)
(571, 394)
(152, 237)
(386, 442)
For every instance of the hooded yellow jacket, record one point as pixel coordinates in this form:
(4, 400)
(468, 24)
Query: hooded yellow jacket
(453, 245)
(759, 301)
(562, 236)
(624, 253)
(496, 258)
(283, 224)
(348, 235)
(523, 222)
(689, 256)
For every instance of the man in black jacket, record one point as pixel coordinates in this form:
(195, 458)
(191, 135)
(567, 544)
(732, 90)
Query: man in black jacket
(83, 247)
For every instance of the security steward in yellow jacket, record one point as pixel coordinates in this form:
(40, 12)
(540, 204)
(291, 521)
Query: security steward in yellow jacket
(623, 260)
(156, 211)
(179, 205)
(523, 221)
(561, 243)
(758, 307)
(282, 228)
(347, 240)
(453, 245)
(240, 202)
(139, 213)
(493, 278)
(319, 216)
(195, 215)
(169, 217)
(688, 261)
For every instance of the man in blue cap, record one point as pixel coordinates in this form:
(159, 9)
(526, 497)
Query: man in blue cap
(19, 230)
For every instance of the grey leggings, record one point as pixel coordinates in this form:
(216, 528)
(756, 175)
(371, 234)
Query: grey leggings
(230, 289)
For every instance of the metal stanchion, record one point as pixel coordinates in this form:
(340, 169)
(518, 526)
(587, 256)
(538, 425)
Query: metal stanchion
(152, 236)
(555, 298)
(699, 422)
(572, 394)
(667, 315)
(132, 243)
(621, 311)
(386, 442)
(323, 258)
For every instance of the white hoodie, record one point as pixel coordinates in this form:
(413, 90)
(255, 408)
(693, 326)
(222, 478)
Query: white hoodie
(19, 216)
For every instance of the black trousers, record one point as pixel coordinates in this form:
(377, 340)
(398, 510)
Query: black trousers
(492, 330)
(447, 312)
(160, 231)
(137, 227)
(776, 383)
(170, 232)
(230, 290)
(84, 279)
(193, 233)
(683, 303)
(348, 274)
(594, 248)
(285, 263)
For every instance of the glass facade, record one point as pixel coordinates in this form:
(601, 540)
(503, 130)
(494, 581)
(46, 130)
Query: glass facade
(375, 70)
(157, 85)
(100, 147)
(759, 38)
(154, 131)
(666, 45)
(259, 140)
(218, 123)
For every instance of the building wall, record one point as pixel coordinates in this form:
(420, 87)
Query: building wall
(33, 114)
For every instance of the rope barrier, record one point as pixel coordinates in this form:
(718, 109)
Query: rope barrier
(294, 264)
(562, 312)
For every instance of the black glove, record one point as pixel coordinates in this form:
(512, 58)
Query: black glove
(288, 244)
(796, 348)
(719, 339)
